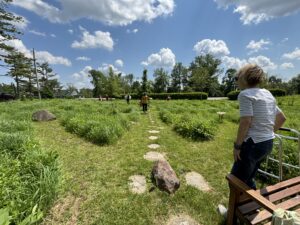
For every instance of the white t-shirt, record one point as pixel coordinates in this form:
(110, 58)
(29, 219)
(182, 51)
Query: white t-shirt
(261, 106)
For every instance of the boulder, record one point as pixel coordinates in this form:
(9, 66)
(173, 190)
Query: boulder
(43, 115)
(164, 177)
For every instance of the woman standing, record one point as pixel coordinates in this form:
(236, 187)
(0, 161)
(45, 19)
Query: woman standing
(260, 117)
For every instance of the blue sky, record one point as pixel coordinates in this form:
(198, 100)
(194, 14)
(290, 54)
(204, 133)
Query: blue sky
(130, 35)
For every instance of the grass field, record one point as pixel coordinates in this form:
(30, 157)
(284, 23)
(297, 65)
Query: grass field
(94, 171)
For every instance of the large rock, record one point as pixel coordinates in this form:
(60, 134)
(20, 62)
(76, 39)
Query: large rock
(43, 115)
(164, 177)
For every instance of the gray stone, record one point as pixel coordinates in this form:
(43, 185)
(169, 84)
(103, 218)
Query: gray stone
(43, 115)
(196, 180)
(164, 177)
(153, 137)
(137, 184)
(181, 220)
(153, 131)
(153, 146)
(154, 156)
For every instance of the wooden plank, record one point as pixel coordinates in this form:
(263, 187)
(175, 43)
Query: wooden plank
(241, 186)
(249, 207)
(274, 188)
(233, 199)
(264, 215)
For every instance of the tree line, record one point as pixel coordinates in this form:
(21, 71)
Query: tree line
(202, 75)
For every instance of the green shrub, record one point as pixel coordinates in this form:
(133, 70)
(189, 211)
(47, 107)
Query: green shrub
(233, 95)
(278, 92)
(166, 116)
(195, 128)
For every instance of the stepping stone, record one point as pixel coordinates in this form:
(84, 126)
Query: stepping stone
(153, 131)
(181, 220)
(137, 184)
(153, 146)
(153, 137)
(196, 180)
(154, 156)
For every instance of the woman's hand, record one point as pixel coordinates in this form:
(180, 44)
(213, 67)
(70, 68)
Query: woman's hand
(236, 154)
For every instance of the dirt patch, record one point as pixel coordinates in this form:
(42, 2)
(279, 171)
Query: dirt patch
(74, 212)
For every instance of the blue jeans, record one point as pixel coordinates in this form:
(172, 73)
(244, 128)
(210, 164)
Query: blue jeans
(251, 157)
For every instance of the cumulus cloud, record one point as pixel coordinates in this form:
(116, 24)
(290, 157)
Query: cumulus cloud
(254, 12)
(37, 33)
(287, 65)
(71, 31)
(82, 79)
(42, 56)
(292, 55)
(232, 62)
(216, 48)
(83, 58)
(236, 63)
(105, 68)
(256, 46)
(164, 58)
(98, 40)
(263, 62)
(111, 12)
(119, 63)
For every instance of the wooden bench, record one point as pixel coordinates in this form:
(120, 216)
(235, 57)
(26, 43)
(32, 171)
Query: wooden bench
(257, 207)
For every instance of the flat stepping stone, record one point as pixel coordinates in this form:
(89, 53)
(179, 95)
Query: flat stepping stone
(137, 184)
(154, 156)
(197, 180)
(181, 220)
(153, 146)
(153, 131)
(153, 137)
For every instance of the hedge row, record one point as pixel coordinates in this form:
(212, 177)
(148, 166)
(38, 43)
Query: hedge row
(187, 95)
(233, 95)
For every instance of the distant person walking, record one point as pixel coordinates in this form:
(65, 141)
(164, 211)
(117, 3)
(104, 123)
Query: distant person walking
(145, 102)
(128, 98)
(260, 117)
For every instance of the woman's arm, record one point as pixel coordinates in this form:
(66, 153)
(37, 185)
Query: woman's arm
(245, 123)
(279, 121)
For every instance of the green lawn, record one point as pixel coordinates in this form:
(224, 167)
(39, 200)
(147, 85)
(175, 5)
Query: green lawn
(95, 178)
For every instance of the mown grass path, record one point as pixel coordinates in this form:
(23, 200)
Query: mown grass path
(95, 189)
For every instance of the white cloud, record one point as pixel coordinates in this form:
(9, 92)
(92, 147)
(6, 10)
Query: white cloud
(119, 63)
(217, 48)
(105, 68)
(263, 62)
(83, 58)
(287, 65)
(236, 63)
(21, 25)
(232, 62)
(71, 31)
(256, 46)
(292, 55)
(132, 31)
(37, 33)
(254, 12)
(41, 56)
(164, 58)
(82, 79)
(53, 35)
(284, 40)
(98, 40)
(111, 12)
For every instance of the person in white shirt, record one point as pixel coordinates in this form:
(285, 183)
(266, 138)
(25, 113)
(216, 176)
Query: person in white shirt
(260, 117)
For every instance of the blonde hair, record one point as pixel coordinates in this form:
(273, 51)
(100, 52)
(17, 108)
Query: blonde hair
(251, 75)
